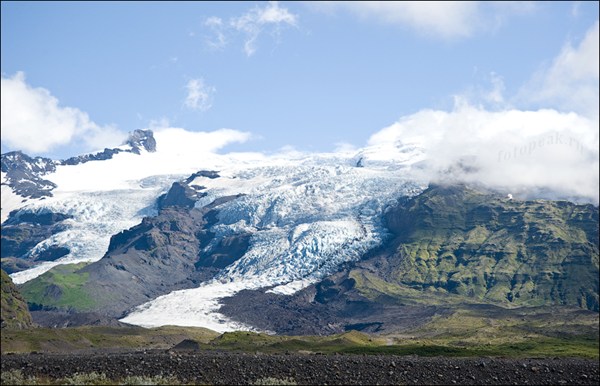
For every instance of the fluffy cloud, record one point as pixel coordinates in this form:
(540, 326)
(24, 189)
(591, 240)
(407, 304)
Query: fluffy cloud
(543, 153)
(444, 19)
(33, 121)
(571, 81)
(199, 95)
(270, 18)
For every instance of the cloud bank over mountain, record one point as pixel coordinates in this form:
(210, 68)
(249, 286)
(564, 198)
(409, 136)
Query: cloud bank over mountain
(543, 153)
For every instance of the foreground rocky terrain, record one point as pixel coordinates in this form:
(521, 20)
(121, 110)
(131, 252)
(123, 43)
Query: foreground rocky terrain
(199, 367)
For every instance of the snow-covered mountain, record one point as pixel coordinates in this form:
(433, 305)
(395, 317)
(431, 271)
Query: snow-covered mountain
(305, 214)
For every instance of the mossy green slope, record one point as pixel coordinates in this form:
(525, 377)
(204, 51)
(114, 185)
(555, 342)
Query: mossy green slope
(15, 314)
(61, 287)
(478, 247)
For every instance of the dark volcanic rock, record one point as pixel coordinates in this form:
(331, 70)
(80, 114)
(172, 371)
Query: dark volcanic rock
(203, 173)
(23, 231)
(227, 368)
(36, 218)
(186, 345)
(303, 313)
(180, 195)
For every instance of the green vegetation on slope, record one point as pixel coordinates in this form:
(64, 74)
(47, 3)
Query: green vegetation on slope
(14, 312)
(481, 248)
(60, 287)
(467, 331)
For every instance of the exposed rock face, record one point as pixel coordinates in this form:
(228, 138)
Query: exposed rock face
(14, 309)
(24, 174)
(138, 139)
(203, 173)
(102, 155)
(141, 139)
(180, 195)
(23, 231)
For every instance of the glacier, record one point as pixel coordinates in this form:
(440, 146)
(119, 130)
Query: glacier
(307, 213)
(305, 221)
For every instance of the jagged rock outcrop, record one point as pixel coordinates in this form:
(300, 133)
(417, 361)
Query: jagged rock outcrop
(24, 174)
(141, 139)
(137, 140)
(180, 195)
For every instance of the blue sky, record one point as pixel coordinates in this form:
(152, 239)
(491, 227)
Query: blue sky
(77, 76)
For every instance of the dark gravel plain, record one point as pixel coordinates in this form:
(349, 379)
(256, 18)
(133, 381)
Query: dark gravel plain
(241, 368)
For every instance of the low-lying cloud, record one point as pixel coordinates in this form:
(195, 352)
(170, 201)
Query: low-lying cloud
(542, 154)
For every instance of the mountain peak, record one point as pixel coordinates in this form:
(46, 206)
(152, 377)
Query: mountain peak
(139, 139)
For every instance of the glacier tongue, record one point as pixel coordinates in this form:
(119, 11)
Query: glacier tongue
(305, 221)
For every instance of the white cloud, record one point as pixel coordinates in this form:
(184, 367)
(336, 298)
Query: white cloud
(215, 24)
(446, 19)
(33, 121)
(571, 81)
(199, 95)
(443, 19)
(178, 141)
(526, 153)
(270, 18)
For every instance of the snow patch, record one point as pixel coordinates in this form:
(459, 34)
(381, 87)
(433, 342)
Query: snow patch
(9, 199)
